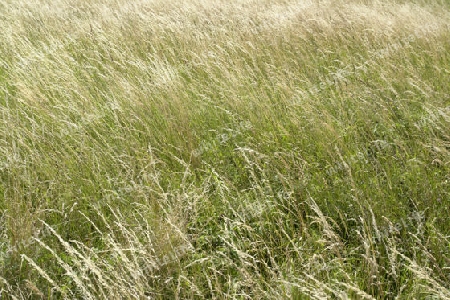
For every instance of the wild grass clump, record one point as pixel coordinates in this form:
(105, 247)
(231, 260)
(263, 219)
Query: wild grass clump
(228, 150)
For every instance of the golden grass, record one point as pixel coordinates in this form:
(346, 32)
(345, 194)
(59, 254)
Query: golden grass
(224, 149)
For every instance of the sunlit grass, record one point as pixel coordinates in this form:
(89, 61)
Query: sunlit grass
(216, 149)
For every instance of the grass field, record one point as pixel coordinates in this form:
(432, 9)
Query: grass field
(212, 149)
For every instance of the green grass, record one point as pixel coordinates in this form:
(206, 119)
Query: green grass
(228, 150)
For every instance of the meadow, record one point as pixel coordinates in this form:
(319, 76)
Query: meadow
(213, 149)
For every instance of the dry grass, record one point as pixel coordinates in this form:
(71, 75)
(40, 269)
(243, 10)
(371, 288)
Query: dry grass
(229, 150)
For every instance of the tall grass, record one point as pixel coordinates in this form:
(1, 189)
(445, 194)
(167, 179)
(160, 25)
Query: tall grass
(224, 149)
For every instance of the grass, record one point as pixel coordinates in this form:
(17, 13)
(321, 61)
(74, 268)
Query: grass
(228, 150)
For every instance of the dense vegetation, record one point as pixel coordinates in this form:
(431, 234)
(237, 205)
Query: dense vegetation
(245, 149)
